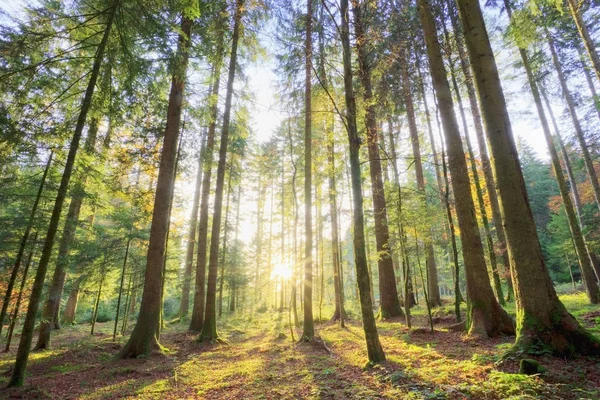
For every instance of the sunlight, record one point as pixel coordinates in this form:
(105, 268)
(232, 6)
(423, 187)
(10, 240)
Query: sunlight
(282, 271)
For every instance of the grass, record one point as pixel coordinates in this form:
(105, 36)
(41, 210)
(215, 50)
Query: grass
(259, 361)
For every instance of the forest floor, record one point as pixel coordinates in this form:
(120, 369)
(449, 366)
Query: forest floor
(259, 361)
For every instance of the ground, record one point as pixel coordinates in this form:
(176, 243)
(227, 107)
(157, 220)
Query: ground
(259, 361)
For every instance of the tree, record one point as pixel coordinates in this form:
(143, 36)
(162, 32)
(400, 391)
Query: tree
(308, 331)
(209, 327)
(390, 306)
(144, 337)
(18, 374)
(541, 317)
(485, 315)
(374, 349)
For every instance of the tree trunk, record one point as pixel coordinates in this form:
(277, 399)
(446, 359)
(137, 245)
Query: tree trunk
(588, 42)
(144, 337)
(97, 302)
(18, 374)
(587, 271)
(209, 328)
(71, 307)
(566, 160)
(121, 286)
(308, 328)
(17, 266)
(388, 293)
(335, 255)
(374, 349)
(485, 315)
(432, 278)
(590, 82)
(189, 256)
(483, 152)
(197, 319)
(52, 304)
(541, 317)
(481, 202)
(224, 250)
(589, 165)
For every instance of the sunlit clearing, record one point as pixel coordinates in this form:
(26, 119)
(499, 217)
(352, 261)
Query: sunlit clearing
(282, 271)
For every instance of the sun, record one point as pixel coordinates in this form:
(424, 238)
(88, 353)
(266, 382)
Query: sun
(282, 271)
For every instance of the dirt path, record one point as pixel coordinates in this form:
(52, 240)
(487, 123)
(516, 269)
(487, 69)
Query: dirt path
(258, 362)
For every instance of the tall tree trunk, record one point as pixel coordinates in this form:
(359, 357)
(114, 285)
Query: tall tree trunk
(98, 294)
(224, 250)
(541, 317)
(566, 160)
(485, 315)
(15, 313)
(23, 244)
(189, 256)
(374, 349)
(478, 191)
(209, 328)
(335, 254)
(197, 319)
(388, 293)
(18, 374)
(308, 327)
(121, 286)
(68, 317)
(144, 337)
(483, 152)
(52, 303)
(588, 42)
(589, 80)
(432, 278)
(585, 263)
(587, 159)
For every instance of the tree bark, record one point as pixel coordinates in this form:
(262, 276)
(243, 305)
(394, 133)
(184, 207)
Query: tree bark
(18, 374)
(587, 159)
(585, 263)
(388, 293)
(432, 278)
(588, 42)
(52, 304)
(483, 152)
(485, 316)
(541, 317)
(374, 349)
(189, 256)
(209, 328)
(197, 319)
(144, 337)
(308, 327)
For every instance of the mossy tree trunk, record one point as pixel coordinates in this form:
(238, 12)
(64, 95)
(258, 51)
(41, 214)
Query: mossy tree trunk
(542, 320)
(485, 315)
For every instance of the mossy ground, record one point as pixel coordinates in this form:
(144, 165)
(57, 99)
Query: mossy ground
(259, 361)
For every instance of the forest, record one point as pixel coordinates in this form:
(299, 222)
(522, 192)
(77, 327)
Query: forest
(279, 199)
